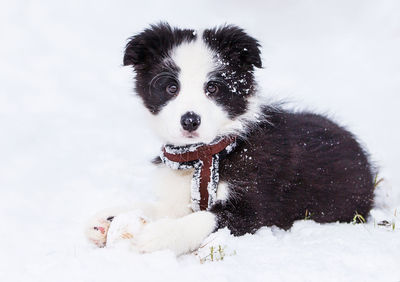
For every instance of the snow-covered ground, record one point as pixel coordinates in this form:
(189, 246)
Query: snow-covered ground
(73, 139)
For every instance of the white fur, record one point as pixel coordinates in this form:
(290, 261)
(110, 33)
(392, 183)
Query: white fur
(173, 192)
(124, 226)
(240, 125)
(223, 191)
(180, 235)
(97, 236)
(172, 224)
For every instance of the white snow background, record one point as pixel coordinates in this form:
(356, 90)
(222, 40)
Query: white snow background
(74, 139)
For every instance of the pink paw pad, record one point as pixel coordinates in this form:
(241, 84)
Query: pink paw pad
(99, 228)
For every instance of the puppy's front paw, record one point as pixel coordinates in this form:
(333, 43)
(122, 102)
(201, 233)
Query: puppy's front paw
(126, 226)
(97, 229)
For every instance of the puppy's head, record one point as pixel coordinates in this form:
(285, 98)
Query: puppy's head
(197, 86)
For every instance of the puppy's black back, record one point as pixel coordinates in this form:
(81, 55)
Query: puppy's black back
(296, 164)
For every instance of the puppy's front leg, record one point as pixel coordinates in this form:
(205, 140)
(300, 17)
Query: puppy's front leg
(181, 235)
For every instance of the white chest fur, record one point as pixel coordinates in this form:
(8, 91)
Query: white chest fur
(173, 192)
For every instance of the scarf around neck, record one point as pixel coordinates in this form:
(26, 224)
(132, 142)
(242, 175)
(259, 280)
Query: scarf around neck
(204, 159)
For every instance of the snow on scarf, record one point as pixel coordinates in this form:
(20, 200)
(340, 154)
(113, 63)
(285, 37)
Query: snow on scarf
(204, 158)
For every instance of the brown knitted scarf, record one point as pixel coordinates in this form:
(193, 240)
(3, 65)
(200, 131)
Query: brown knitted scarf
(204, 158)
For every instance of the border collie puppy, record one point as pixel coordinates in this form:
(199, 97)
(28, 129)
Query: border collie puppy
(229, 160)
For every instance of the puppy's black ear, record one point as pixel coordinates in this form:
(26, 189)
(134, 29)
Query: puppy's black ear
(148, 46)
(235, 45)
(153, 44)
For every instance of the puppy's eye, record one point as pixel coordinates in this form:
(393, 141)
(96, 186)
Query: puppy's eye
(172, 89)
(212, 88)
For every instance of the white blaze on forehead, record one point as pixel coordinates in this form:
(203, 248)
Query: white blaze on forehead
(195, 61)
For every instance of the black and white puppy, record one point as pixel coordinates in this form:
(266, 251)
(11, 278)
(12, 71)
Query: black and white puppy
(198, 87)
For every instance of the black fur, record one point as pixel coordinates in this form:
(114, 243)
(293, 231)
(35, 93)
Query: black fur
(234, 46)
(146, 53)
(239, 54)
(301, 163)
(148, 48)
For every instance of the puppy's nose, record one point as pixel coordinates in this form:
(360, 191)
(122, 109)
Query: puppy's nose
(190, 121)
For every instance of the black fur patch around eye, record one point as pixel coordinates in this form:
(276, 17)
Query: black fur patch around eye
(148, 52)
(234, 88)
(237, 54)
(158, 95)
